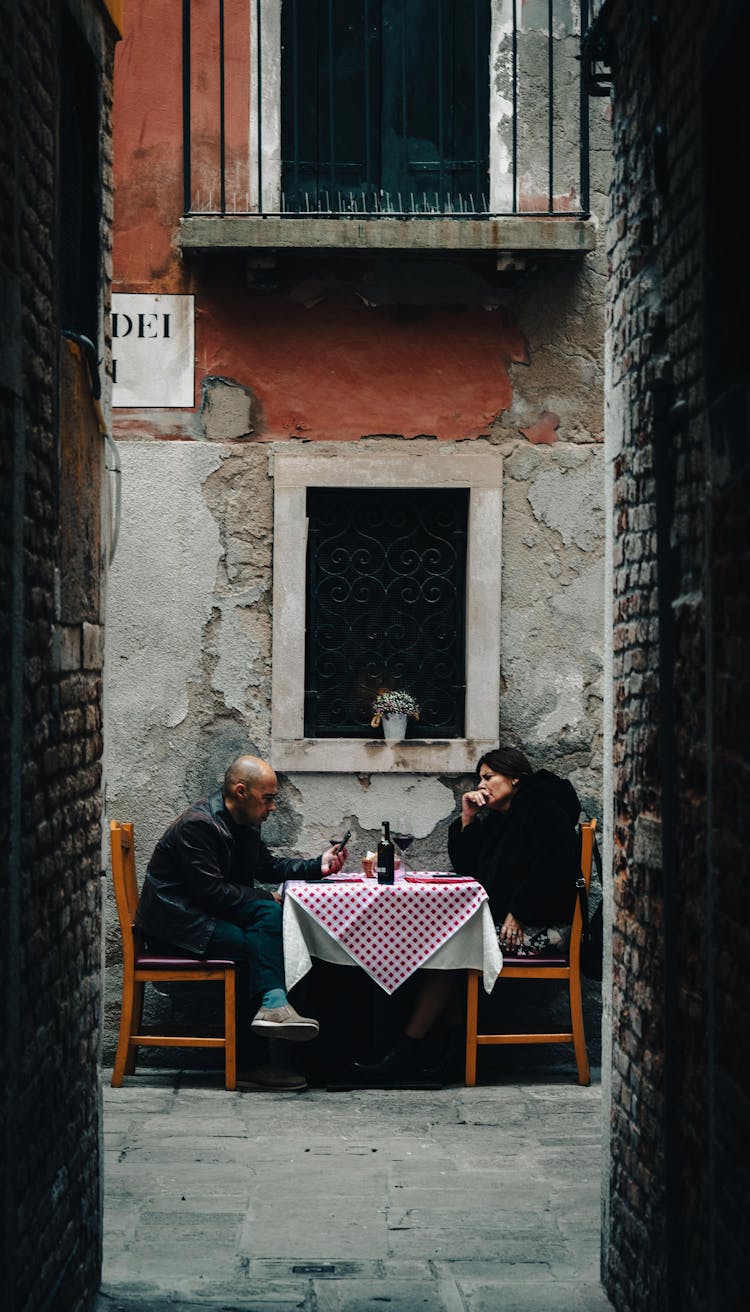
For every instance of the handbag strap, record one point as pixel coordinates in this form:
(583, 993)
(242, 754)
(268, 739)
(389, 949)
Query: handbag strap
(583, 896)
(584, 901)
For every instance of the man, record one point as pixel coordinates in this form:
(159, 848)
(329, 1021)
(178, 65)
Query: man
(200, 897)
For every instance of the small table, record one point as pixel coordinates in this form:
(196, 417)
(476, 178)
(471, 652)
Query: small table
(390, 930)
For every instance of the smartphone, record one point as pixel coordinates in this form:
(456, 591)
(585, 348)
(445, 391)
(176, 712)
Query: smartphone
(344, 841)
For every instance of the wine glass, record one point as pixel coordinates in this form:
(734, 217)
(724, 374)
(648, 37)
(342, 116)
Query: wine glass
(403, 841)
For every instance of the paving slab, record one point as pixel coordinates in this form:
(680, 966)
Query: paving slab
(500, 1296)
(452, 1200)
(364, 1296)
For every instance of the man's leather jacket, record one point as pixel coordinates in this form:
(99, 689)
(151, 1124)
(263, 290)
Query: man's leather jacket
(204, 869)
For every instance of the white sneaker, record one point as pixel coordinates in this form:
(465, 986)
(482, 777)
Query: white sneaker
(284, 1023)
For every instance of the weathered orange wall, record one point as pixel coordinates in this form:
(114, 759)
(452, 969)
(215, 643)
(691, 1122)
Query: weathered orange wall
(147, 134)
(343, 370)
(337, 370)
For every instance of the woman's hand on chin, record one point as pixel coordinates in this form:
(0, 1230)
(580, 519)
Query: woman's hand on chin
(471, 804)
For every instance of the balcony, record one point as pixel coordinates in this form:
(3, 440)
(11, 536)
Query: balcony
(434, 125)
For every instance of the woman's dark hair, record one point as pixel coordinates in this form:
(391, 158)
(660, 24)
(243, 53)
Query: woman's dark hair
(506, 760)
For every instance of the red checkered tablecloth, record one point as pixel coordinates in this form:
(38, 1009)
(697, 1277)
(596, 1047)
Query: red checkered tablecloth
(390, 930)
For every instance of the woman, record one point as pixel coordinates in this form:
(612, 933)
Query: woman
(517, 836)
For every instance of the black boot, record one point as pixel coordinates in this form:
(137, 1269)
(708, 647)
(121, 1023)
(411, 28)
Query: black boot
(447, 1066)
(403, 1059)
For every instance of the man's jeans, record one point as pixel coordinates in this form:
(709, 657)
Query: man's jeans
(254, 939)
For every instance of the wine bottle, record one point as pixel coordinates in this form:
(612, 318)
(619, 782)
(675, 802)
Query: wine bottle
(385, 854)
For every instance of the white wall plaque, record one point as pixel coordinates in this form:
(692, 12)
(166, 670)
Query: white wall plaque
(153, 350)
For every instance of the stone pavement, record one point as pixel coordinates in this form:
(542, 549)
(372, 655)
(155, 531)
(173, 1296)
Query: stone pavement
(455, 1200)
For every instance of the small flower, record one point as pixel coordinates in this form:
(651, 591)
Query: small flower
(393, 703)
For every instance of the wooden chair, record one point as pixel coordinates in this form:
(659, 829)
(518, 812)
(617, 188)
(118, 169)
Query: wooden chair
(534, 968)
(139, 968)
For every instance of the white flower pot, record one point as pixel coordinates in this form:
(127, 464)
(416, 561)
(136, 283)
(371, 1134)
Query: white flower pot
(394, 726)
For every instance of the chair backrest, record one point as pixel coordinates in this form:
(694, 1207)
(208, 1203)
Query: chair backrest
(124, 879)
(587, 829)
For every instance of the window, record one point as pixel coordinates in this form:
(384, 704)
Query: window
(385, 105)
(462, 699)
(386, 585)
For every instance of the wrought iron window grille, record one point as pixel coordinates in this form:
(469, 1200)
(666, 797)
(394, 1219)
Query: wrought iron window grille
(386, 598)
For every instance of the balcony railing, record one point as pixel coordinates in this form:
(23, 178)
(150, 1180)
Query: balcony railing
(377, 109)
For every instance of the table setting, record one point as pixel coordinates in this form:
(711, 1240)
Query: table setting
(424, 918)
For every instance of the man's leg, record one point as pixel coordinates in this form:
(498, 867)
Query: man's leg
(255, 939)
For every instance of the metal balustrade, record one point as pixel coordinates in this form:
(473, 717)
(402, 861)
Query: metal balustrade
(384, 108)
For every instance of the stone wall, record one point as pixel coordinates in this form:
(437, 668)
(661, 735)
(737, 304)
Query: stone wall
(677, 1196)
(50, 704)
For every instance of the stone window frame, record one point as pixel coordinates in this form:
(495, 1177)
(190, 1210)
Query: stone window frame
(265, 119)
(337, 466)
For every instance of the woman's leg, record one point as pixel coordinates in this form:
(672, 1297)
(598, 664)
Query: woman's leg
(436, 998)
(436, 991)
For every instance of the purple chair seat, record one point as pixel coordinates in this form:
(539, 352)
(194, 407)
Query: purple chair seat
(510, 959)
(168, 963)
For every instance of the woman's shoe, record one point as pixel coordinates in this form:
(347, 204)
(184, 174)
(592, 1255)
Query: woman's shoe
(403, 1058)
(448, 1065)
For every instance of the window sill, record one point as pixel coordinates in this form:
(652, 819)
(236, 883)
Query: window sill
(551, 234)
(376, 756)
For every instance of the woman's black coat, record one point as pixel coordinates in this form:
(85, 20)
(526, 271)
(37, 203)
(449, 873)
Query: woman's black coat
(528, 857)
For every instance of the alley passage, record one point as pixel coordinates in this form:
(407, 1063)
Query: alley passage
(483, 1200)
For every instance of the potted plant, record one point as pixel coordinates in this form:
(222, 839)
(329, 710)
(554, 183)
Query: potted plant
(393, 709)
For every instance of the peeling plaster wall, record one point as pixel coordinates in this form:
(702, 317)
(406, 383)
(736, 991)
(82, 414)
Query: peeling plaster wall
(189, 647)
(553, 530)
(159, 607)
(388, 347)
(416, 804)
(189, 654)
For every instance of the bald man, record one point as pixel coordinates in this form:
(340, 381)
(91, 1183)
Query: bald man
(200, 896)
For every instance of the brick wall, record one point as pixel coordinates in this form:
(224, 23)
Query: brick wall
(677, 1193)
(50, 707)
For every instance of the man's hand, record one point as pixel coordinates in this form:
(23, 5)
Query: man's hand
(332, 860)
(276, 895)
